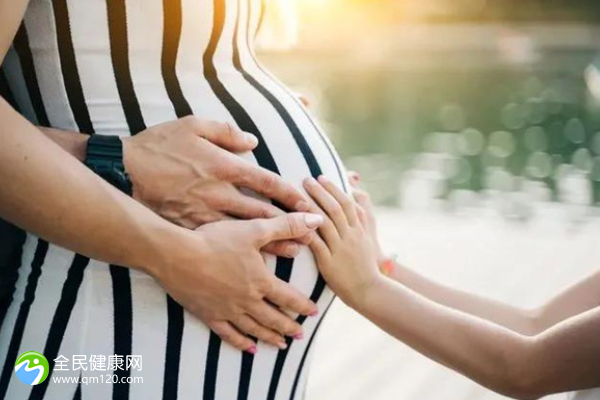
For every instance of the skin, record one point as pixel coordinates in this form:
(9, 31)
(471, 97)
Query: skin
(187, 172)
(217, 271)
(524, 354)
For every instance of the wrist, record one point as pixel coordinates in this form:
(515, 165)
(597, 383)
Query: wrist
(131, 151)
(362, 299)
(168, 246)
(105, 158)
(73, 143)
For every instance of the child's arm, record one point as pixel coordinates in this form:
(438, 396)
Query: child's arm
(564, 358)
(580, 297)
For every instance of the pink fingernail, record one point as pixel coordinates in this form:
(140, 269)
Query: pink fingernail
(298, 336)
(252, 349)
(322, 178)
(314, 313)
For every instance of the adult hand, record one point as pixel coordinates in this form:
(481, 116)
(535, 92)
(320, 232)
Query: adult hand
(187, 172)
(230, 288)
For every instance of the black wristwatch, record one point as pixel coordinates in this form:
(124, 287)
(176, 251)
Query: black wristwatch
(105, 157)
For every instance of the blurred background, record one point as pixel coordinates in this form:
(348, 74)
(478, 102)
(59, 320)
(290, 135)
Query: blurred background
(475, 125)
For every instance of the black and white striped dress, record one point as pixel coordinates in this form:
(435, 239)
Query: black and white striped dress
(117, 67)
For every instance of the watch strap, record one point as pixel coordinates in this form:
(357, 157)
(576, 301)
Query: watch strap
(105, 157)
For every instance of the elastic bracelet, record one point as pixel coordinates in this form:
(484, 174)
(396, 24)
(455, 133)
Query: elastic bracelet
(388, 265)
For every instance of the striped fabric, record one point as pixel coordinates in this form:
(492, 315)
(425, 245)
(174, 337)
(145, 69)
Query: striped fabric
(116, 67)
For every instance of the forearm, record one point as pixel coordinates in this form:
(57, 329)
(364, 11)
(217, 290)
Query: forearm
(518, 320)
(487, 353)
(56, 197)
(74, 143)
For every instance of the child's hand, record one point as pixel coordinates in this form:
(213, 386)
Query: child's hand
(364, 201)
(346, 251)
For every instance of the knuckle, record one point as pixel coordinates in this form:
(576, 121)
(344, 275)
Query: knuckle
(228, 170)
(268, 182)
(265, 212)
(261, 228)
(224, 335)
(238, 341)
(287, 327)
(228, 130)
(265, 286)
(252, 329)
(192, 121)
(295, 304)
(292, 226)
(280, 325)
(337, 212)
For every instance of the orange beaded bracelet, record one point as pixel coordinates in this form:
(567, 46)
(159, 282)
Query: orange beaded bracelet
(387, 266)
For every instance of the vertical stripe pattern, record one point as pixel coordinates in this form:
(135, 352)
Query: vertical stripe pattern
(119, 49)
(61, 319)
(68, 63)
(173, 351)
(149, 62)
(123, 324)
(171, 38)
(21, 45)
(17, 335)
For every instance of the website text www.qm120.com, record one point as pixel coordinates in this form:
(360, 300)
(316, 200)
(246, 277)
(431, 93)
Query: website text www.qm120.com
(106, 378)
(32, 368)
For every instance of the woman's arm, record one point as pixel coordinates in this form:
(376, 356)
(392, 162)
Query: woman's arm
(564, 358)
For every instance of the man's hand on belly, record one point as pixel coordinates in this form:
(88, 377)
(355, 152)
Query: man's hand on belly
(187, 172)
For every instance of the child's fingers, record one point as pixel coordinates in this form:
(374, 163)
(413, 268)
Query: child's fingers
(319, 248)
(327, 203)
(362, 198)
(327, 230)
(347, 203)
(354, 178)
(363, 217)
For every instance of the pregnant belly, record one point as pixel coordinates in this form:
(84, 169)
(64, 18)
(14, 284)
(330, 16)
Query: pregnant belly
(106, 310)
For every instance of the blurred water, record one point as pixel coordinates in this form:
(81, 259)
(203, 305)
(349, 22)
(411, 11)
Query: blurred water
(504, 123)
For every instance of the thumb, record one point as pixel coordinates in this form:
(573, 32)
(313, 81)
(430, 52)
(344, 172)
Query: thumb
(286, 227)
(226, 136)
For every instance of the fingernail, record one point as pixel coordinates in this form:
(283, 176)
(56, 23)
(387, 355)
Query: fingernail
(322, 178)
(314, 313)
(313, 220)
(251, 139)
(282, 345)
(252, 349)
(310, 181)
(298, 336)
(302, 206)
